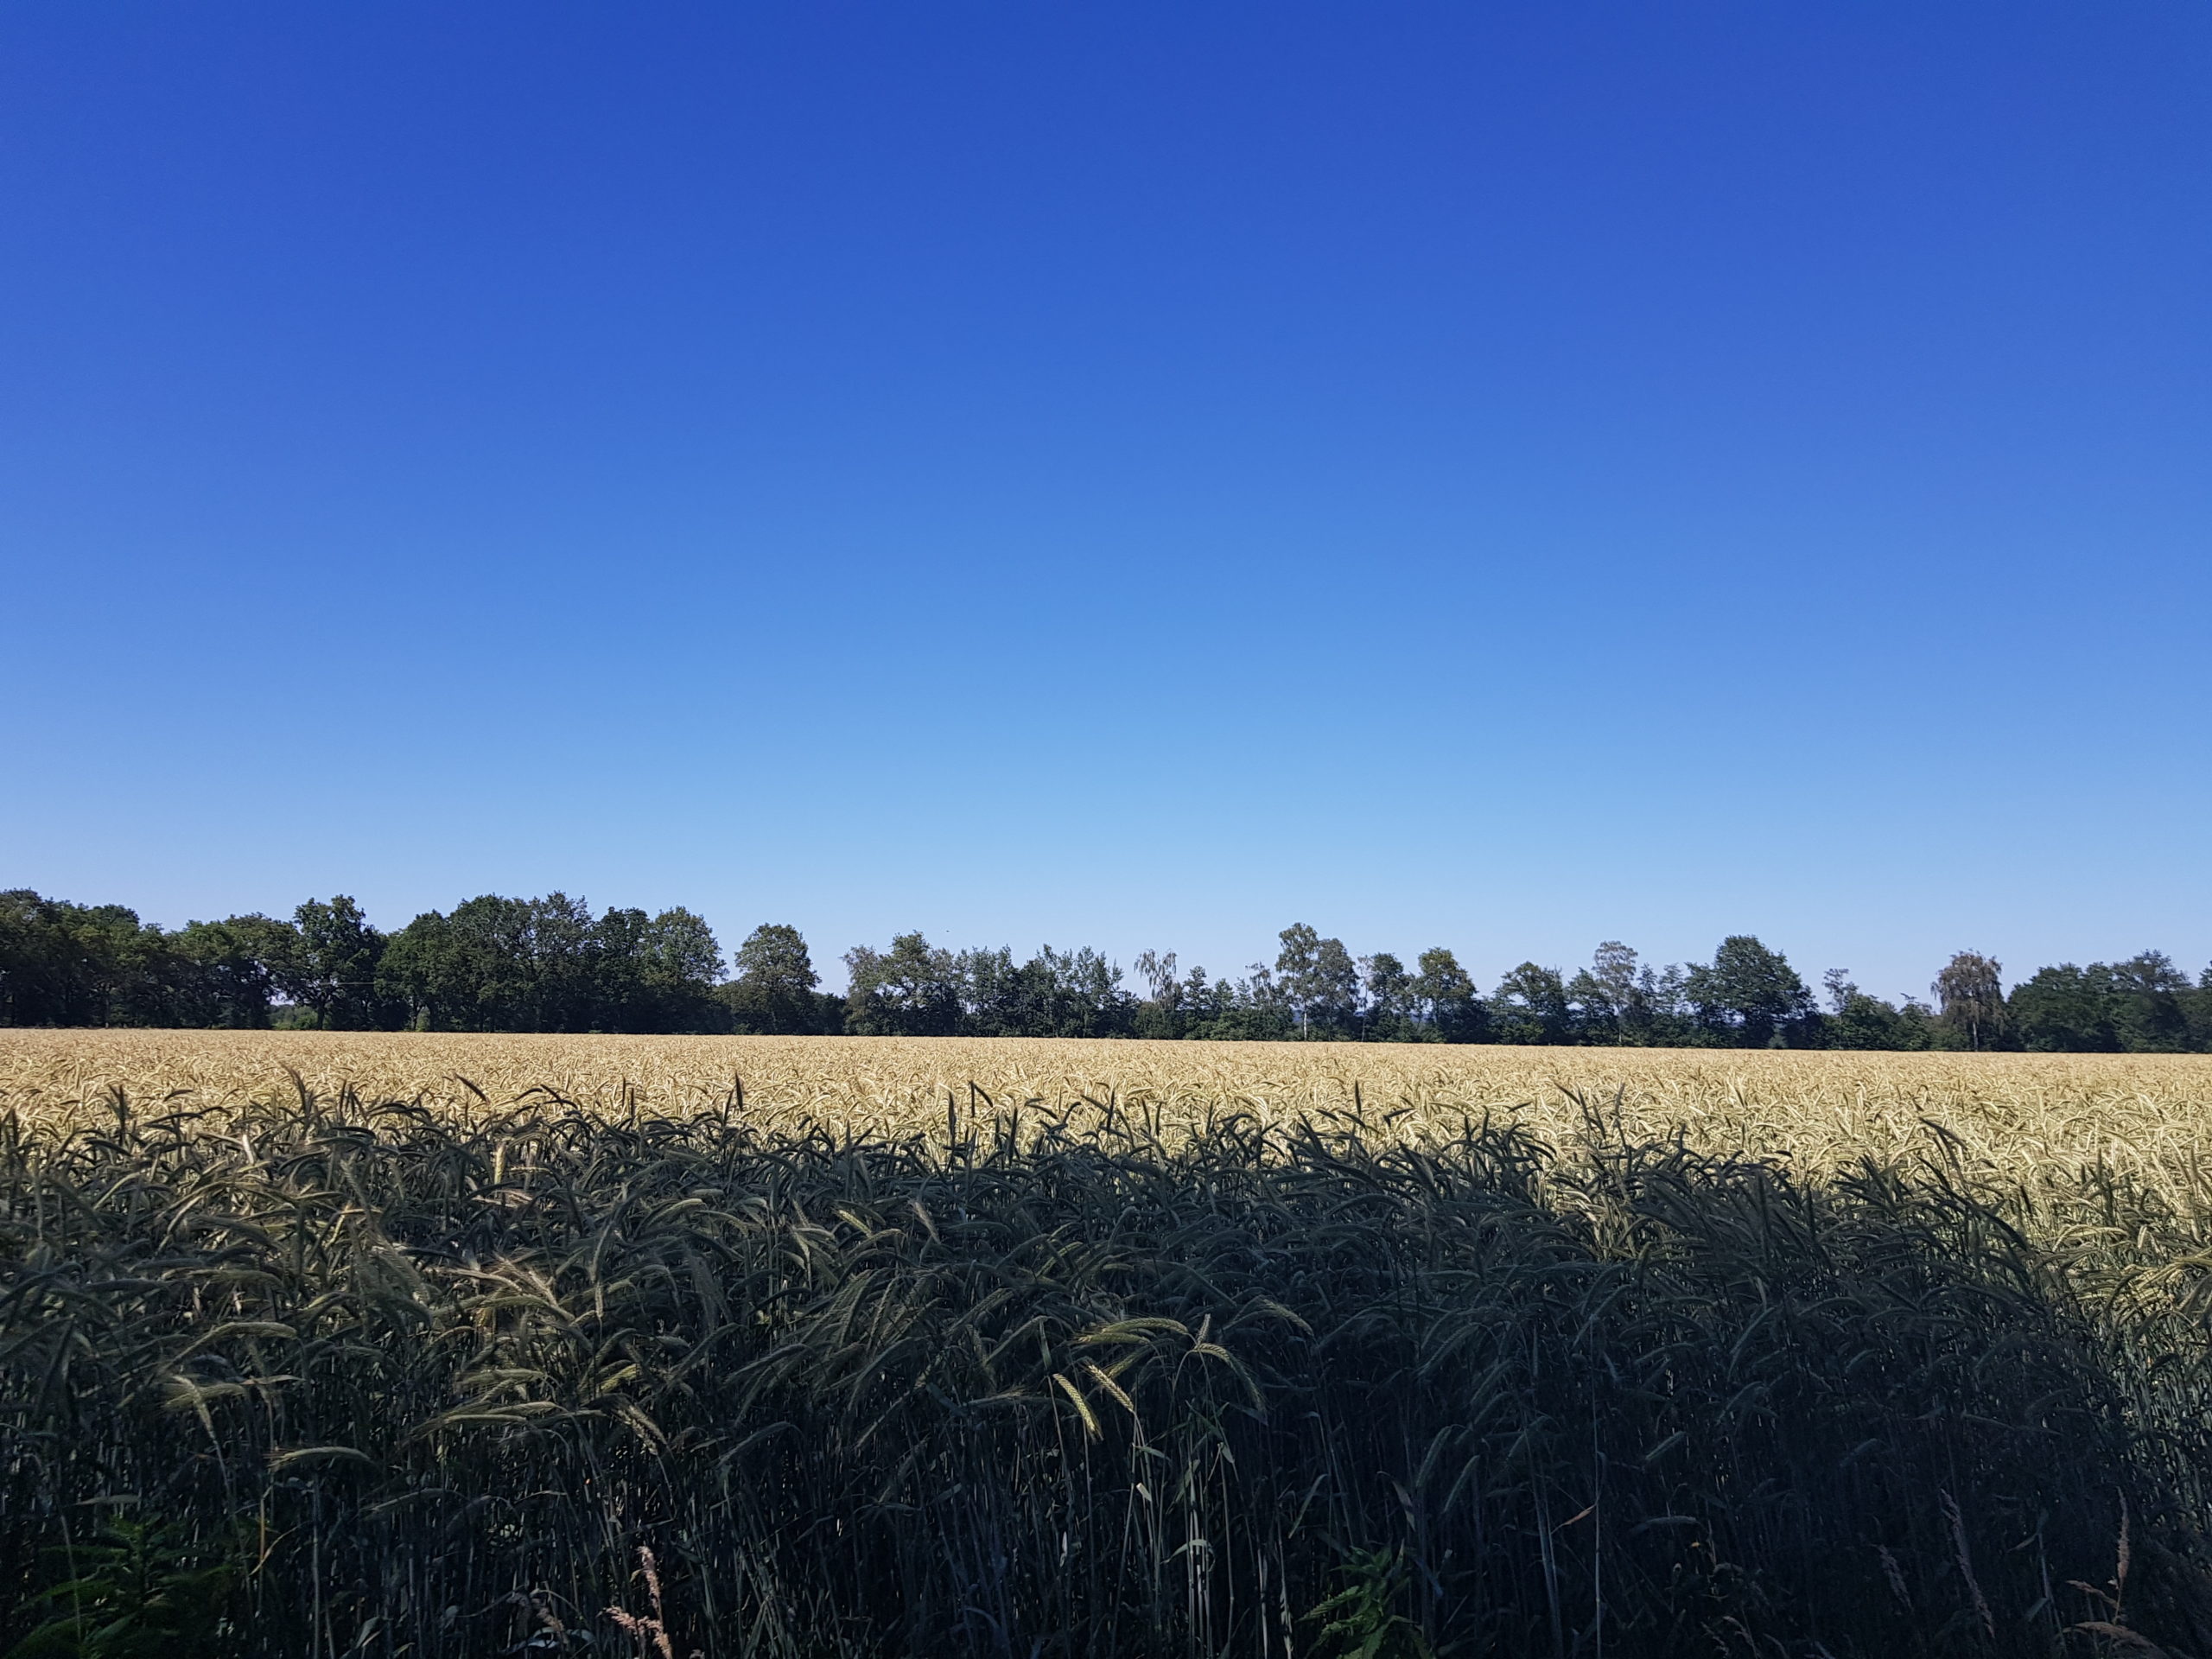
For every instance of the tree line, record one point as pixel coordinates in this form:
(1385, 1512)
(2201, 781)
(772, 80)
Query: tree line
(550, 964)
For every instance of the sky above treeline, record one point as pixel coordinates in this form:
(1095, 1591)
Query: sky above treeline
(1505, 477)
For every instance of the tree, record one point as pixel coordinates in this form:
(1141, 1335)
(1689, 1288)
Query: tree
(330, 968)
(1295, 968)
(1857, 1020)
(232, 961)
(1749, 995)
(2065, 1010)
(1606, 995)
(1444, 993)
(1196, 1007)
(1970, 992)
(774, 992)
(69, 964)
(1389, 1013)
(566, 955)
(29, 994)
(1053, 994)
(1334, 989)
(1661, 1015)
(470, 971)
(655, 974)
(1530, 1006)
(683, 965)
(1087, 999)
(547, 964)
(2149, 1004)
(1161, 1015)
(910, 990)
(1860, 1020)
(1157, 973)
(1318, 980)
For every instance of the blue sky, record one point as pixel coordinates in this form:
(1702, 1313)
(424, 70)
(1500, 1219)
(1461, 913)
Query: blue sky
(1503, 476)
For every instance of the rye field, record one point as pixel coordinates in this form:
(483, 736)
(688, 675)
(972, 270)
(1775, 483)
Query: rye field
(313, 1343)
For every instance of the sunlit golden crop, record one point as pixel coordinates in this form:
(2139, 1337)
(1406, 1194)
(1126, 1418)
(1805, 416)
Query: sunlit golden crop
(2013, 1115)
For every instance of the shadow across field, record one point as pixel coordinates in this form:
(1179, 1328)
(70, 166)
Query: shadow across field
(341, 1377)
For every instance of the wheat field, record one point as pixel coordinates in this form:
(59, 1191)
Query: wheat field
(449, 1345)
(2018, 1115)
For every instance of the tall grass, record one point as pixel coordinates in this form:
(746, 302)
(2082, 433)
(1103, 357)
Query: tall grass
(1046, 1381)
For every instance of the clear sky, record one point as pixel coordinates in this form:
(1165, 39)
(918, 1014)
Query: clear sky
(1506, 476)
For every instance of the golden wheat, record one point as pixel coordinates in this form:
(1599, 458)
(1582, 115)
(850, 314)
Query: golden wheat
(2012, 1115)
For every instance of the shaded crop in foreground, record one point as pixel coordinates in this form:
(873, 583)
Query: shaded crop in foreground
(1043, 1384)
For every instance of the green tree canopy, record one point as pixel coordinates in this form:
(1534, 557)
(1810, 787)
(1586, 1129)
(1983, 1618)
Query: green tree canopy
(774, 992)
(2065, 1009)
(1749, 995)
(548, 964)
(1444, 994)
(330, 965)
(911, 990)
(1530, 1006)
(1319, 982)
(1970, 993)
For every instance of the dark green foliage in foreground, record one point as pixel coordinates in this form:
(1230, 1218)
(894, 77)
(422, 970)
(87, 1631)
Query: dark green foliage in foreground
(1035, 1387)
(129, 1590)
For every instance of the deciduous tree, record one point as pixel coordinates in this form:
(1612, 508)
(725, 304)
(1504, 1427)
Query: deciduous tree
(1749, 995)
(1970, 993)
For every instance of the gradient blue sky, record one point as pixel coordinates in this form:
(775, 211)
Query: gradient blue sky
(1506, 476)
